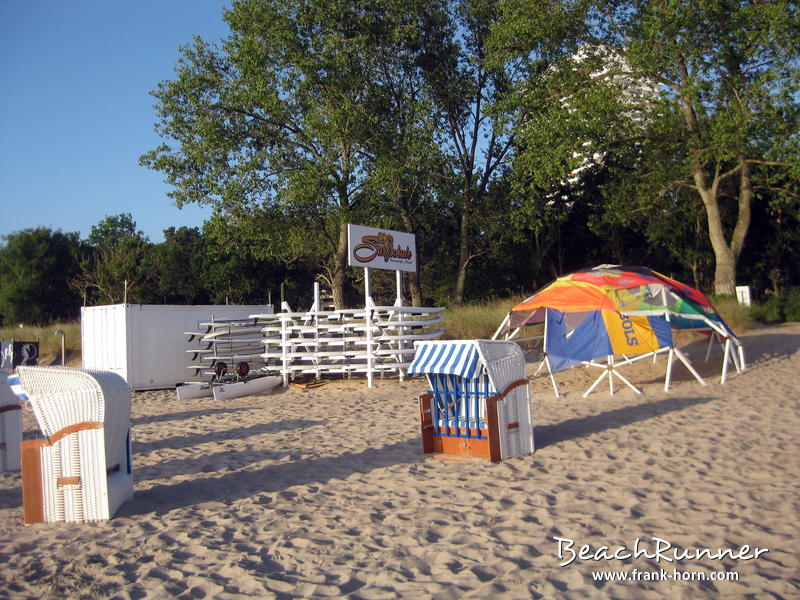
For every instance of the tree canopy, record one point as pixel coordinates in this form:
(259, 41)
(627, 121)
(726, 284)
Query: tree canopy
(278, 121)
(35, 267)
(517, 139)
(668, 97)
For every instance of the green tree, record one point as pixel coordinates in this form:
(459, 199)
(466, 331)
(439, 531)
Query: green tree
(406, 159)
(475, 139)
(276, 121)
(233, 270)
(670, 96)
(35, 265)
(177, 266)
(113, 230)
(119, 266)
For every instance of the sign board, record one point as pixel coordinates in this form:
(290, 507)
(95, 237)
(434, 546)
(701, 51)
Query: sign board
(15, 354)
(743, 294)
(381, 249)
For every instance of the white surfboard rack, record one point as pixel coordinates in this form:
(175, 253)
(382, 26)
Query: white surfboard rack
(369, 341)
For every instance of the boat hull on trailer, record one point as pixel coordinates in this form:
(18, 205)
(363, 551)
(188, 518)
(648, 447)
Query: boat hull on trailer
(190, 391)
(258, 385)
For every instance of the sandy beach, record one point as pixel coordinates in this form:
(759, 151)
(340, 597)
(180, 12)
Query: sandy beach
(324, 492)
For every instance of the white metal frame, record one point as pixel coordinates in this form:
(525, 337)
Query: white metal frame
(373, 340)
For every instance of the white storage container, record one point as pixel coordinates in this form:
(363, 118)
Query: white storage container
(145, 343)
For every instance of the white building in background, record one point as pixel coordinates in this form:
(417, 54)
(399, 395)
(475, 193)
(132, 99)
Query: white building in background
(634, 90)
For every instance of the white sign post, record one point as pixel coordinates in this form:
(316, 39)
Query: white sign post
(374, 248)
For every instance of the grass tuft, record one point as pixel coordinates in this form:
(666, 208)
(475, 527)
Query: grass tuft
(476, 321)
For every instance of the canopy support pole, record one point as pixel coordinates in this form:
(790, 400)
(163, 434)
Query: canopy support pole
(546, 359)
(502, 326)
(675, 352)
(727, 352)
(712, 336)
(735, 358)
(609, 371)
(546, 362)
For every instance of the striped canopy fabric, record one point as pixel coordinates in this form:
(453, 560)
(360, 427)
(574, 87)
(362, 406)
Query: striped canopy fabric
(459, 358)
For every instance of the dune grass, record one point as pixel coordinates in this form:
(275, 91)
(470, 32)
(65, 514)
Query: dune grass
(476, 321)
(738, 316)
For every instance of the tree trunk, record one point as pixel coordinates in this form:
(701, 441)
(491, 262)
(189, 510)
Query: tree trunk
(745, 207)
(340, 269)
(726, 255)
(695, 267)
(724, 259)
(414, 282)
(463, 251)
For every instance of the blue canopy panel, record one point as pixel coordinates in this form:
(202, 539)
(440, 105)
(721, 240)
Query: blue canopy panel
(459, 358)
(588, 340)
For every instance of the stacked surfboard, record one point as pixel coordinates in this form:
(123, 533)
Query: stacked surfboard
(225, 360)
(373, 340)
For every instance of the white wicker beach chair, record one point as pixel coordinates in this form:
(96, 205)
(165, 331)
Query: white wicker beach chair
(10, 426)
(81, 471)
(479, 399)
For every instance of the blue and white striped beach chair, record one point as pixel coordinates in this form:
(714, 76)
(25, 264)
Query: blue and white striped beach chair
(478, 404)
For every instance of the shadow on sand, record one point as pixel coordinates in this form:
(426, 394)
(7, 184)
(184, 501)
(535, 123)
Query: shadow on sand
(761, 343)
(188, 414)
(236, 485)
(237, 433)
(547, 435)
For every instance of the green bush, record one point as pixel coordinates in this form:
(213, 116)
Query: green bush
(771, 311)
(791, 305)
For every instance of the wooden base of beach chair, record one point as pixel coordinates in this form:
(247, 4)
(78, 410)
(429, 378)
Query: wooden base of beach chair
(83, 496)
(464, 443)
(32, 490)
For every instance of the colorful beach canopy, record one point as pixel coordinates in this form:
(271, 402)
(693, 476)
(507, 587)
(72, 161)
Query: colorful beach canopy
(613, 310)
(624, 290)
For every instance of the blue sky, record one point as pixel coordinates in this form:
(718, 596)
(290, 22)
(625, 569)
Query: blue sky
(76, 111)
